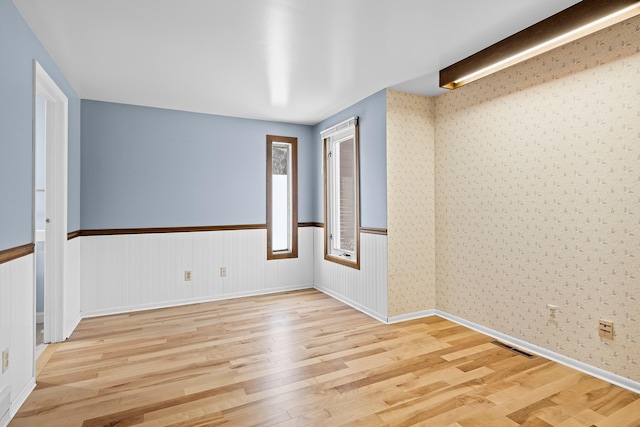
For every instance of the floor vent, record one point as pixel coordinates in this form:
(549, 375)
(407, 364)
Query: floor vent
(513, 349)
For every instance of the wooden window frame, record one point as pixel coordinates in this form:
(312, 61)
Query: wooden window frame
(293, 252)
(328, 254)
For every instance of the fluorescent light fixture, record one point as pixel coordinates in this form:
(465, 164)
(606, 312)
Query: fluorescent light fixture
(279, 42)
(582, 19)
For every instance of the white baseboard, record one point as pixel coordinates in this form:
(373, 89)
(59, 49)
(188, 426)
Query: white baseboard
(618, 380)
(548, 354)
(357, 306)
(165, 304)
(411, 316)
(22, 396)
(72, 326)
(40, 317)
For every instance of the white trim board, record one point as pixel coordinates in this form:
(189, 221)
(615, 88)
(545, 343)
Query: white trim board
(410, 316)
(72, 326)
(610, 377)
(19, 400)
(618, 380)
(166, 304)
(351, 303)
(5, 406)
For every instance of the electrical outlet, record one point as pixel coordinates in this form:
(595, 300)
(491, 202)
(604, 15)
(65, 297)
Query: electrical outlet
(553, 312)
(223, 271)
(5, 360)
(605, 329)
(187, 276)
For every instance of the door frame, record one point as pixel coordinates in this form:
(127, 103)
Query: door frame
(57, 131)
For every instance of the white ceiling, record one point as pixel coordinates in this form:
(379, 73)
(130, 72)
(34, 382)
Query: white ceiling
(293, 61)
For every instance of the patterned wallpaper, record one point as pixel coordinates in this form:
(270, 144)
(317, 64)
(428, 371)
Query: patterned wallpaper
(410, 203)
(538, 199)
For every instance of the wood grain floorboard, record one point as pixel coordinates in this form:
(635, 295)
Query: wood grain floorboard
(302, 358)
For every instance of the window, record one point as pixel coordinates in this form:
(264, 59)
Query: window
(342, 194)
(282, 197)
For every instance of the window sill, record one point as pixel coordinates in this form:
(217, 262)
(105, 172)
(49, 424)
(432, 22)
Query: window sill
(282, 255)
(353, 262)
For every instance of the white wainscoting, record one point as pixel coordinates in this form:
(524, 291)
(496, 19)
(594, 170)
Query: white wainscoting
(71, 294)
(123, 273)
(17, 328)
(364, 289)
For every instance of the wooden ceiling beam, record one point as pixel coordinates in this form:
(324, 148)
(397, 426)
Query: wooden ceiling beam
(570, 19)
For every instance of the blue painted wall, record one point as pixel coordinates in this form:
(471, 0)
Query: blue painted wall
(147, 167)
(372, 113)
(18, 48)
(150, 167)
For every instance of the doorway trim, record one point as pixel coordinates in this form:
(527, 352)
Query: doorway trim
(57, 131)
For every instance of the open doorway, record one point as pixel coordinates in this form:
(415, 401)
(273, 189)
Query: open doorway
(50, 205)
(40, 179)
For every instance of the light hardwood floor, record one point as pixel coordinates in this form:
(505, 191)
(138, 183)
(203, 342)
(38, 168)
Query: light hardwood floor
(303, 358)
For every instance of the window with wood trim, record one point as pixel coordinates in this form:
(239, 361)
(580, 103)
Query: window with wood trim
(282, 197)
(342, 194)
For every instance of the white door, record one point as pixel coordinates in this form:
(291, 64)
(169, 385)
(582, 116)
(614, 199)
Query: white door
(55, 227)
(40, 169)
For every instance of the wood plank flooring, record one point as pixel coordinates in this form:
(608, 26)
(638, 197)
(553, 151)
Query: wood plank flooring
(303, 358)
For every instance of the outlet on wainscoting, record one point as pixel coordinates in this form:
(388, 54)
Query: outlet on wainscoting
(5, 360)
(187, 275)
(223, 271)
